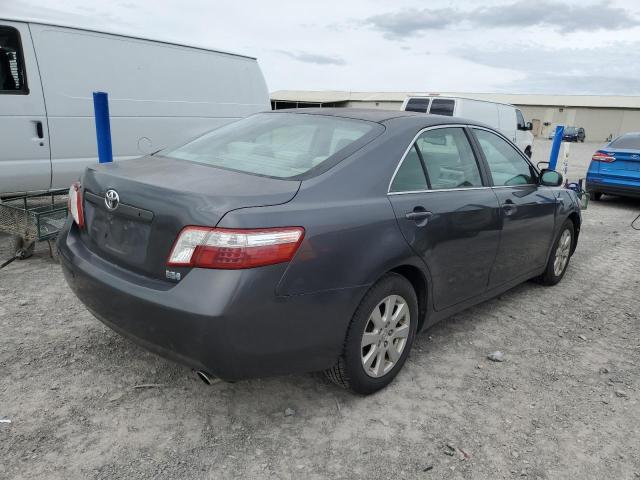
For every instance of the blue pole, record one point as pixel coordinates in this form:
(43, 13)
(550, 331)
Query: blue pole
(555, 147)
(103, 128)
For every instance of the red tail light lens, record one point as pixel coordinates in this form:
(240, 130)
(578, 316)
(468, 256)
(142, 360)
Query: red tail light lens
(233, 249)
(601, 156)
(74, 204)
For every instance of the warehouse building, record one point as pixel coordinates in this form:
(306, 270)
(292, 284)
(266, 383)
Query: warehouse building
(602, 117)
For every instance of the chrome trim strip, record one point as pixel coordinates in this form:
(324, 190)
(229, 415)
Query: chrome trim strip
(464, 189)
(458, 125)
(406, 152)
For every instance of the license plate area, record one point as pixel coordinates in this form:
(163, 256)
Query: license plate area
(120, 234)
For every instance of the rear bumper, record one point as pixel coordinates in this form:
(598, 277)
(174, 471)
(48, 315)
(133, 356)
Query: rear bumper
(228, 323)
(612, 188)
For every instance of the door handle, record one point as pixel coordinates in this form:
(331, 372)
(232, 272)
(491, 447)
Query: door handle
(509, 207)
(419, 215)
(39, 129)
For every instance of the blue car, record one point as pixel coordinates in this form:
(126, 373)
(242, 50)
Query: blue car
(615, 169)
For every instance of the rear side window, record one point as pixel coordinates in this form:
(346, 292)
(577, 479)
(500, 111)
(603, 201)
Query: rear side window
(449, 159)
(12, 73)
(505, 162)
(418, 105)
(280, 145)
(441, 106)
(631, 142)
(410, 176)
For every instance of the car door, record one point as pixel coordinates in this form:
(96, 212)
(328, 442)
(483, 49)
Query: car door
(25, 162)
(527, 209)
(447, 213)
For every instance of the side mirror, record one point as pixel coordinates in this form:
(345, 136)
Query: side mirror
(529, 126)
(550, 178)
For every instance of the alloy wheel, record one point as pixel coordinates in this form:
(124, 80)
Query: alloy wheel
(562, 253)
(385, 336)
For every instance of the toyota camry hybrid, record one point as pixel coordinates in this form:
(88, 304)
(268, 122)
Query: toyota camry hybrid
(312, 240)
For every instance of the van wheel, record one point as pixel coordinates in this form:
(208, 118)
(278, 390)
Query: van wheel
(560, 256)
(379, 338)
(595, 195)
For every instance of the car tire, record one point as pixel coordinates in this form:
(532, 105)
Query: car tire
(595, 196)
(363, 367)
(560, 255)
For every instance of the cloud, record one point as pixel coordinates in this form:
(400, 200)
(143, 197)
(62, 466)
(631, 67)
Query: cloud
(412, 21)
(610, 69)
(558, 15)
(318, 59)
(578, 84)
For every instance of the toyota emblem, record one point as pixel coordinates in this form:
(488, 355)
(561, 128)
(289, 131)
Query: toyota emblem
(111, 199)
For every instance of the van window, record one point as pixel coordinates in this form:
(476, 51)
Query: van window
(418, 105)
(12, 77)
(507, 166)
(449, 159)
(441, 106)
(520, 118)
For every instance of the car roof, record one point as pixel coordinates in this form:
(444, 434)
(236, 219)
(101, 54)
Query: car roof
(369, 114)
(380, 115)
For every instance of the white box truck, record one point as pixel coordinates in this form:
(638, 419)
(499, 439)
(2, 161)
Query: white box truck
(159, 94)
(504, 117)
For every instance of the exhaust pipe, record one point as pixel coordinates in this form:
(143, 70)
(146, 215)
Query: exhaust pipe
(206, 378)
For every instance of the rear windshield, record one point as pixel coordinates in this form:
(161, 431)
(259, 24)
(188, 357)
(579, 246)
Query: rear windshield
(627, 141)
(570, 130)
(281, 145)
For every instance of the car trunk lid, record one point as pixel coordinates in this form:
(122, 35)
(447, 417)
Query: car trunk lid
(157, 197)
(627, 163)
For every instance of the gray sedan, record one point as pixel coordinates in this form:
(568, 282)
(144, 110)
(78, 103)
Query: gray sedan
(312, 240)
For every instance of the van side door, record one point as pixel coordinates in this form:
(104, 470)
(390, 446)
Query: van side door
(25, 159)
(524, 138)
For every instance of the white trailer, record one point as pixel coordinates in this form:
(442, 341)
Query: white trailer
(159, 94)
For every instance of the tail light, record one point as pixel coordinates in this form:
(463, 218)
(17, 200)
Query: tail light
(232, 249)
(74, 204)
(601, 156)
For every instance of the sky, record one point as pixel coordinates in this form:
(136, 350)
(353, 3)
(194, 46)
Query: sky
(511, 46)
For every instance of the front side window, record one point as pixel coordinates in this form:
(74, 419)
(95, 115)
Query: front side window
(441, 106)
(449, 159)
(280, 145)
(418, 105)
(12, 76)
(520, 117)
(506, 164)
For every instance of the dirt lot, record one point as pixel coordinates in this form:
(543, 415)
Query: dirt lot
(86, 403)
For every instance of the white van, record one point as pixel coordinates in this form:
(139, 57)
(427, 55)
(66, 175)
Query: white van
(159, 94)
(505, 118)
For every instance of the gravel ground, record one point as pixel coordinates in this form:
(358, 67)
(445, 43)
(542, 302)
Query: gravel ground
(86, 403)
